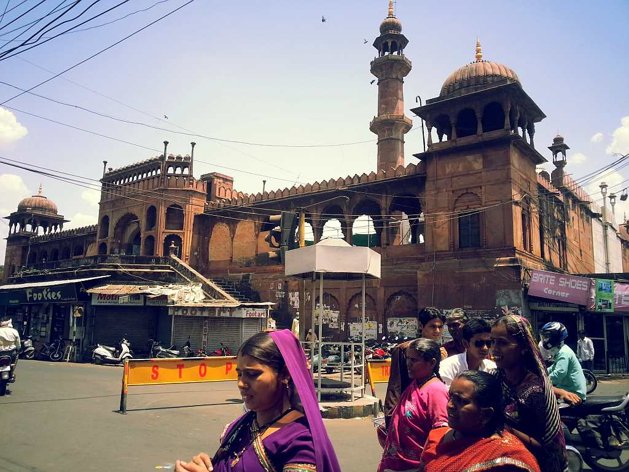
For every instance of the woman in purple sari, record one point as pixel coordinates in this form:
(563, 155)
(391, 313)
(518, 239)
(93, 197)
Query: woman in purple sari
(283, 430)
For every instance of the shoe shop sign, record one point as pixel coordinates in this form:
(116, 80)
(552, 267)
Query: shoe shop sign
(561, 287)
(36, 295)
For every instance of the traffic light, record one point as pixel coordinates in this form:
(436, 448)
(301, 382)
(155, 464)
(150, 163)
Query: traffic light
(281, 235)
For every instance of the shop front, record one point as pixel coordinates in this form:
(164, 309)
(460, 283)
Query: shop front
(209, 327)
(49, 310)
(598, 306)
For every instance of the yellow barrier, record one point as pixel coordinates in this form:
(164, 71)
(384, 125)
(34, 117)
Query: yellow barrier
(175, 371)
(379, 370)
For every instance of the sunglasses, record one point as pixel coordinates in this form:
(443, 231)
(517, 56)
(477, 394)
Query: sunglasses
(479, 343)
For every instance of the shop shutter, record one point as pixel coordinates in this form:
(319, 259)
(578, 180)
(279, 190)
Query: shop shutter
(225, 330)
(137, 324)
(251, 326)
(188, 326)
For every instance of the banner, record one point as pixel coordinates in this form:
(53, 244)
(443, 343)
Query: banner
(621, 297)
(561, 287)
(604, 296)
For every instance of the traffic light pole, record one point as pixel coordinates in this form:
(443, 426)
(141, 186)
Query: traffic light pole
(302, 227)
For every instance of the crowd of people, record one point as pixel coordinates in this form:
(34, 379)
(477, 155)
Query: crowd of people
(483, 401)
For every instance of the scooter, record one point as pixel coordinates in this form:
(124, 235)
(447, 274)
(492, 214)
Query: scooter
(598, 430)
(157, 351)
(28, 350)
(7, 368)
(110, 355)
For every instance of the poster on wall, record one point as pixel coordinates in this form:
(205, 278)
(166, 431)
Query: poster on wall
(330, 317)
(404, 327)
(604, 301)
(371, 330)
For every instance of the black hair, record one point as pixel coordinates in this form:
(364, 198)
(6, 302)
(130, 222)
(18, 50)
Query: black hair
(427, 350)
(262, 347)
(522, 338)
(487, 394)
(475, 326)
(430, 313)
(457, 314)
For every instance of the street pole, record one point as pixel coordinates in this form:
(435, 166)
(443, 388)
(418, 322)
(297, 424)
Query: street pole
(302, 228)
(603, 187)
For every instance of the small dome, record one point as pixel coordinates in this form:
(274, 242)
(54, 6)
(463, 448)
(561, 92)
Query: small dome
(37, 203)
(476, 74)
(391, 24)
(558, 139)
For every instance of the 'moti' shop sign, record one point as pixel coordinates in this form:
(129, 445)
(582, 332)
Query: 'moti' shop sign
(561, 287)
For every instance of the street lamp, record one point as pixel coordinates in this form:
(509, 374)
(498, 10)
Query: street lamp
(612, 202)
(603, 187)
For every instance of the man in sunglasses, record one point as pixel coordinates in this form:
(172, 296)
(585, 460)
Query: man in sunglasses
(477, 342)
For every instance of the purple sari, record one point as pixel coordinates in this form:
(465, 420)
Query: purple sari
(302, 445)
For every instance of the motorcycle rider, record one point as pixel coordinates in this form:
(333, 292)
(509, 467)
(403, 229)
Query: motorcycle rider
(9, 342)
(566, 372)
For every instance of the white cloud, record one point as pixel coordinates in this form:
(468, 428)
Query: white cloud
(620, 138)
(577, 158)
(597, 138)
(79, 220)
(10, 129)
(91, 196)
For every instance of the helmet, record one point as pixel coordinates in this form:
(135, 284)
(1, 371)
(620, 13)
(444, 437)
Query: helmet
(553, 334)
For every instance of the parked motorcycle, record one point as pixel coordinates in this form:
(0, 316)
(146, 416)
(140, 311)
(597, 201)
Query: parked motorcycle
(599, 431)
(157, 351)
(221, 351)
(187, 351)
(53, 351)
(111, 355)
(27, 350)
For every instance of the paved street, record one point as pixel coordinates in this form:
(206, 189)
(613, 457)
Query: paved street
(61, 417)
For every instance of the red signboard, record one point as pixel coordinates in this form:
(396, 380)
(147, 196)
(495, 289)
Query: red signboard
(561, 287)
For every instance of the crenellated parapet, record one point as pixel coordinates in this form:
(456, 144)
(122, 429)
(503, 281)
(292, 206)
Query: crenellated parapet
(66, 234)
(235, 198)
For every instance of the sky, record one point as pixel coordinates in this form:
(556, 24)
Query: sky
(269, 91)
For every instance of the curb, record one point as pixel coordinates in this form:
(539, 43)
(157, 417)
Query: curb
(368, 406)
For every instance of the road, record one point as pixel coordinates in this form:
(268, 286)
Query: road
(62, 417)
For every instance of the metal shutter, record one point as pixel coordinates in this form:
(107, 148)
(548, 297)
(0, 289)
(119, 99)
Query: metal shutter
(188, 326)
(111, 323)
(225, 330)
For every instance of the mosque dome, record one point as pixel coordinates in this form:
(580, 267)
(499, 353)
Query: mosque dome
(476, 75)
(37, 203)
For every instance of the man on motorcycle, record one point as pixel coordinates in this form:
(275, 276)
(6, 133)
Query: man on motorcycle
(9, 341)
(566, 372)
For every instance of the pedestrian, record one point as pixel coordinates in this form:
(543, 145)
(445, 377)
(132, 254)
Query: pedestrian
(283, 429)
(531, 411)
(585, 351)
(431, 322)
(455, 321)
(476, 438)
(421, 408)
(477, 343)
(311, 337)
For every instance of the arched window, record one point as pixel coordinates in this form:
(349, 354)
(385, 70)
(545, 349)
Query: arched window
(149, 246)
(65, 253)
(104, 227)
(78, 251)
(102, 249)
(174, 241)
(466, 123)
(151, 218)
(469, 222)
(493, 117)
(174, 217)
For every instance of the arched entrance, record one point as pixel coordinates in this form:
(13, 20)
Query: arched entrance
(127, 235)
(172, 240)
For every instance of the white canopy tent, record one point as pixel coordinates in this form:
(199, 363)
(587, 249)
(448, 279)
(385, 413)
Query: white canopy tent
(337, 260)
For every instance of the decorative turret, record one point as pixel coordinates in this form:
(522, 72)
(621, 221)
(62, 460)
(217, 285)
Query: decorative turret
(390, 67)
(558, 149)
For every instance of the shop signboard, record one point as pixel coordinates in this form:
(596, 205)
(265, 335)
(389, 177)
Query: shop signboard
(37, 295)
(604, 296)
(621, 297)
(218, 312)
(560, 287)
(134, 299)
(553, 306)
(162, 300)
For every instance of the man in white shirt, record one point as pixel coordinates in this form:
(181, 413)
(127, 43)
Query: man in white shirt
(585, 351)
(477, 342)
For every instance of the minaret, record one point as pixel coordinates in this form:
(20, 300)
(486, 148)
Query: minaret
(390, 67)
(558, 149)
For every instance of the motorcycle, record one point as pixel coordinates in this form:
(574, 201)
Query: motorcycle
(157, 351)
(7, 368)
(187, 351)
(53, 351)
(598, 430)
(27, 350)
(221, 351)
(110, 355)
(590, 381)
